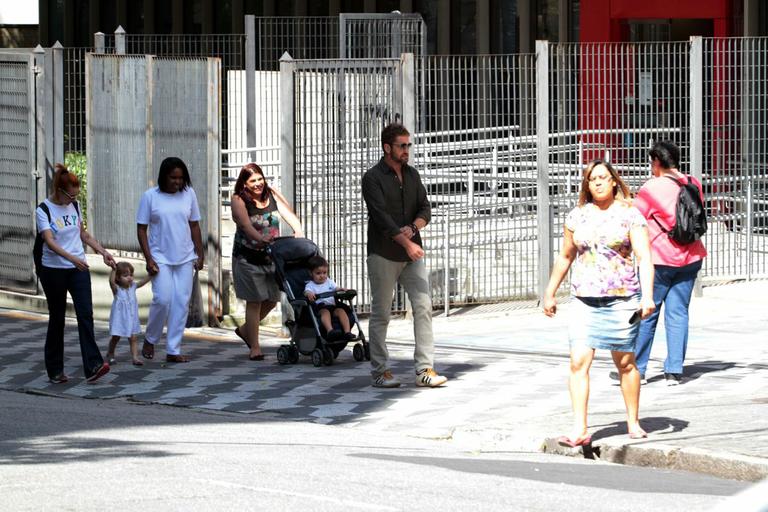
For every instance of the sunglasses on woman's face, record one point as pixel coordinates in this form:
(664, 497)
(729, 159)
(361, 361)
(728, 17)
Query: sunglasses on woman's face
(70, 196)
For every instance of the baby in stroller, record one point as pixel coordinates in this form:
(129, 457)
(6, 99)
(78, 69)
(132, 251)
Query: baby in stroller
(324, 306)
(315, 325)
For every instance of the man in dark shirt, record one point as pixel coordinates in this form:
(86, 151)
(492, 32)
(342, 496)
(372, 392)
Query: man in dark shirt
(398, 209)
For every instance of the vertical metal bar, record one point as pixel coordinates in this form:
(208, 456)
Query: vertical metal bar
(408, 88)
(544, 221)
(342, 36)
(697, 90)
(250, 84)
(696, 118)
(287, 136)
(749, 225)
(213, 241)
(98, 40)
(57, 91)
(120, 40)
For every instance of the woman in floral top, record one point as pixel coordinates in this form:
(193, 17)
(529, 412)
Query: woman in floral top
(257, 209)
(601, 235)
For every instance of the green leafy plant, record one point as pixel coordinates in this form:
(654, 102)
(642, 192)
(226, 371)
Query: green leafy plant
(76, 163)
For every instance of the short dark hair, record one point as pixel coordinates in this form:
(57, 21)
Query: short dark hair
(667, 153)
(391, 132)
(317, 262)
(168, 165)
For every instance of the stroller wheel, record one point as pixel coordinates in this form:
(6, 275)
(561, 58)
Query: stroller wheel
(293, 354)
(283, 356)
(327, 356)
(317, 357)
(358, 353)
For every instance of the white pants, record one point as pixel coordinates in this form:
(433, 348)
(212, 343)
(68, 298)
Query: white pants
(171, 290)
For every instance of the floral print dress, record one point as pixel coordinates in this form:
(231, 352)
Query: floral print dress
(604, 266)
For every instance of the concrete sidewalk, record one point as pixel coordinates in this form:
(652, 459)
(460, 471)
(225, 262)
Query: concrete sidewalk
(716, 422)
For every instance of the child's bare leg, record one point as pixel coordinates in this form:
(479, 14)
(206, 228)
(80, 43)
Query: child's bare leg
(341, 314)
(325, 319)
(111, 350)
(135, 351)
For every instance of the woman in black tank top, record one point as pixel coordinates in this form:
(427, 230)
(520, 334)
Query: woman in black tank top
(256, 210)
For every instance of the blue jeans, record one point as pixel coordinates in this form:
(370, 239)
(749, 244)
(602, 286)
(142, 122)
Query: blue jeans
(673, 287)
(56, 283)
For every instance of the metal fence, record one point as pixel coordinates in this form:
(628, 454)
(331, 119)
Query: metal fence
(477, 157)
(733, 92)
(502, 140)
(18, 168)
(141, 110)
(340, 107)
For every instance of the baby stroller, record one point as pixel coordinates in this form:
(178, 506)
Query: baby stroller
(308, 336)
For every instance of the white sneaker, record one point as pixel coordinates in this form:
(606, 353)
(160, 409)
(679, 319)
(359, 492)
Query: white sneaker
(385, 380)
(429, 378)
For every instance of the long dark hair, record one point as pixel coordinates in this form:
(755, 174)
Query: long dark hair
(168, 165)
(620, 188)
(246, 172)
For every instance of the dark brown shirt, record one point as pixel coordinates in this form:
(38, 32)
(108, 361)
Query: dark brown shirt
(392, 205)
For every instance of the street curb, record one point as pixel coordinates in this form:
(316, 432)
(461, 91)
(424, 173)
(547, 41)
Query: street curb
(719, 464)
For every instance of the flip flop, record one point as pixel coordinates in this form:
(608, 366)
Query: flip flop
(259, 357)
(148, 350)
(138, 362)
(240, 335)
(640, 434)
(567, 441)
(176, 358)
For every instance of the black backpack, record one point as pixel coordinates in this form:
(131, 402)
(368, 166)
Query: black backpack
(690, 216)
(37, 250)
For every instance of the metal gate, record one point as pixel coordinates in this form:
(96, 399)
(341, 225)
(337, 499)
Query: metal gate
(18, 170)
(140, 110)
(333, 115)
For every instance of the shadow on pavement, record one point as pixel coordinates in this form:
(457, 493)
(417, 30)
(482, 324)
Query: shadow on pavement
(603, 476)
(650, 424)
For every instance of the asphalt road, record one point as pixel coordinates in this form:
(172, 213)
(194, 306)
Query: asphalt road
(77, 454)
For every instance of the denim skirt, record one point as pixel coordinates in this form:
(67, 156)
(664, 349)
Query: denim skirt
(603, 323)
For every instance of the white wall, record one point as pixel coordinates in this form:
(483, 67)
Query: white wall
(15, 12)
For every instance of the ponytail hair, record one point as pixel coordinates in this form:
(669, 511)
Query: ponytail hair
(62, 178)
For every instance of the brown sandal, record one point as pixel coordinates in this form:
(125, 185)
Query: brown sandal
(148, 350)
(176, 358)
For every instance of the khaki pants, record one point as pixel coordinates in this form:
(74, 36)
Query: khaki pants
(412, 276)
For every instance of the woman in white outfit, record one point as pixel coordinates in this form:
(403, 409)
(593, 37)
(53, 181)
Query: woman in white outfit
(173, 250)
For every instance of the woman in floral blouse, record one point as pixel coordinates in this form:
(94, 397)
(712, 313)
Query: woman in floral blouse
(601, 234)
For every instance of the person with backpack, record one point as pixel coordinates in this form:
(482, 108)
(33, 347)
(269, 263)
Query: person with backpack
(673, 205)
(61, 267)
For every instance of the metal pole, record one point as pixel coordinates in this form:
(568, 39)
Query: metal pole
(45, 113)
(287, 119)
(57, 82)
(120, 41)
(98, 42)
(446, 267)
(750, 212)
(250, 83)
(544, 220)
(342, 36)
(697, 127)
(408, 88)
(213, 241)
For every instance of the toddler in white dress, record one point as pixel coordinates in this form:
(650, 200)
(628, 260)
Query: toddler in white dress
(124, 316)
